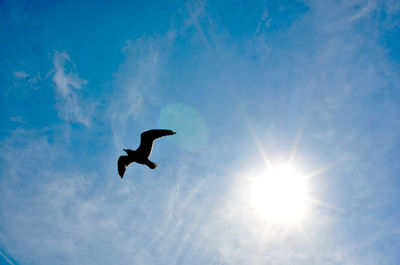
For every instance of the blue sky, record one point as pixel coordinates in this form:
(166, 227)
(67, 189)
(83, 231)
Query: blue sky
(247, 85)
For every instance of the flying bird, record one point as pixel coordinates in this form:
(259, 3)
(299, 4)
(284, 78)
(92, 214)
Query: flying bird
(142, 153)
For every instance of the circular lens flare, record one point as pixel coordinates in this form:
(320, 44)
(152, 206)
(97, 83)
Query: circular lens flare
(280, 195)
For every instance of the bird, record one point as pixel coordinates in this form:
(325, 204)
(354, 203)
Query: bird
(142, 153)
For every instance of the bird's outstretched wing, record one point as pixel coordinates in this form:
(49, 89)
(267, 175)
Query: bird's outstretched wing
(123, 162)
(147, 138)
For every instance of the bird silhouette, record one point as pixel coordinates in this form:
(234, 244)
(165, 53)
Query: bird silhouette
(142, 153)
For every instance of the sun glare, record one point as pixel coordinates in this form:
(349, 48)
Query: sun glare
(279, 195)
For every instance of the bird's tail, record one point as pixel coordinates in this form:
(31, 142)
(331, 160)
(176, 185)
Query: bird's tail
(151, 165)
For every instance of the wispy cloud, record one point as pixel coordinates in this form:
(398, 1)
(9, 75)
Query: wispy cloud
(32, 80)
(10, 262)
(136, 83)
(67, 84)
(320, 72)
(334, 77)
(21, 74)
(18, 119)
(57, 213)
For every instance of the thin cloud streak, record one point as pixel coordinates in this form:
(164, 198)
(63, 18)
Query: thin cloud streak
(192, 209)
(67, 84)
(136, 84)
(6, 258)
(67, 219)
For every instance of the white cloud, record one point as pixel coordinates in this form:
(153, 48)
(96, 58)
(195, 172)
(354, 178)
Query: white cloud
(18, 119)
(60, 214)
(136, 84)
(26, 78)
(67, 84)
(21, 74)
(6, 258)
(337, 76)
(182, 214)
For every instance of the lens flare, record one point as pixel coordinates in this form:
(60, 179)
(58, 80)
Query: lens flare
(192, 130)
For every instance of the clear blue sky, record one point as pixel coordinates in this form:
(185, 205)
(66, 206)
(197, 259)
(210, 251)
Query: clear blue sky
(247, 85)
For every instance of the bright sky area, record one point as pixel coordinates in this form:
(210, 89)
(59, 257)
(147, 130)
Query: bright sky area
(288, 132)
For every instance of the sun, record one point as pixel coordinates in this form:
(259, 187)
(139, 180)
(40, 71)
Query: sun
(279, 195)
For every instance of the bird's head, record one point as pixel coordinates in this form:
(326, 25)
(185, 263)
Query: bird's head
(128, 151)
